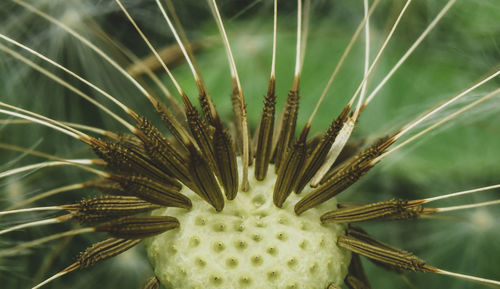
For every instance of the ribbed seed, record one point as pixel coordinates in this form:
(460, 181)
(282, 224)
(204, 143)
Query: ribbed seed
(204, 179)
(104, 208)
(265, 133)
(160, 150)
(236, 105)
(346, 175)
(392, 209)
(107, 186)
(320, 152)
(225, 158)
(138, 227)
(214, 137)
(104, 250)
(288, 125)
(175, 126)
(312, 143)
(359, 233)
(133, 143)
(153, 191)
(123, 160)
(207, 106)
(289, 170)
(201, 133)
(350, 150)
(151, 283)
(365, 245)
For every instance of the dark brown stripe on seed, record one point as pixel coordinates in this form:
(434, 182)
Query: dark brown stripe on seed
(104, 250)
(160, 150)
(287, 131)
(347, 174)
(365, 245)
(319, 154)
(225, 158)
(153, 191)
(124, 160)
(176, 125)
(151, 283)
(207, 106)
(201, 132)
(105, 208)
(138, 227)
(237, 109)
(392, 209)
(107, 186)
(204, 179)
(289, 170)
(265, 133)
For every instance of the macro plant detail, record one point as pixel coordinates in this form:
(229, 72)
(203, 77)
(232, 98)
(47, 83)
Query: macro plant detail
(223, 204)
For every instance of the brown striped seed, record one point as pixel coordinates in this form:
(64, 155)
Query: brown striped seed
(138, 227)
(347, 174)
(363, 244)
(105, 208)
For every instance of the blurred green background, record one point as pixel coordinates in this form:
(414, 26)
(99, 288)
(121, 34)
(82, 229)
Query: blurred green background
(463, 48)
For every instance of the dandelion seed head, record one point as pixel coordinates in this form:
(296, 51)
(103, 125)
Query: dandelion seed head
(251, 243)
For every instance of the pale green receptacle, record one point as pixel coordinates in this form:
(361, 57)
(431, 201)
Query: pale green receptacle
(250, 244)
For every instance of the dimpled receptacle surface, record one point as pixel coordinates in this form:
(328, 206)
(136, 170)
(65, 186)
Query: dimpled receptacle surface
(251, 244)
